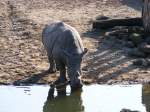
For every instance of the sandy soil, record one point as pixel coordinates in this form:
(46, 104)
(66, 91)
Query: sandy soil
(22, 56)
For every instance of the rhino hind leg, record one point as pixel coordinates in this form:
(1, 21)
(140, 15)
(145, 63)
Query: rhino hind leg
(62, 69)
(52, 68)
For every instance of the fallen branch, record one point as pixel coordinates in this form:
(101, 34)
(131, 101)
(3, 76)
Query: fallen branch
(109, 23)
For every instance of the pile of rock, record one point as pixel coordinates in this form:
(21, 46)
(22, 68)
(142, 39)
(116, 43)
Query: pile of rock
(135, 41)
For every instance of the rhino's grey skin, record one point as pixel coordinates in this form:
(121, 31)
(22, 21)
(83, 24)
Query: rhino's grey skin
(65, 50)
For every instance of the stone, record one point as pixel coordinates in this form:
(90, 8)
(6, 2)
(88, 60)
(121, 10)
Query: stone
(135, 52)
(136, 38)
(147, 40)
(129, 44)
(111, 33)
(144, 47)
(142, 62)
(137, 29)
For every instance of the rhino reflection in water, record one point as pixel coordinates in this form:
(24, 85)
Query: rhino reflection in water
(65, 50)
(71, 103)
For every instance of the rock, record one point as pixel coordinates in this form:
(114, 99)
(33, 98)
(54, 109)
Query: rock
(129, 44)
(137, 29)
(142, 62)
(112, 33)
(144, 47)
(118, 41)
(135, 52)
(136, 38)
(148, 56)
(147, 40)
(123, 36)
(121, 28)
(148, 61)
(138, 62)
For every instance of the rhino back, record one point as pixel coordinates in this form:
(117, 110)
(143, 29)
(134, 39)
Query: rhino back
(57, 36)
(50, 35)
(73, 42)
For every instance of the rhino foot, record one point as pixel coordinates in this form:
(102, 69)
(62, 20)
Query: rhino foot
(61, 81)
(51, 70)
(76, 87)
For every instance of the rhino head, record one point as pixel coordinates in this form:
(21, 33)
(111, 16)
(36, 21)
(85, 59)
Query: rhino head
(74, 61)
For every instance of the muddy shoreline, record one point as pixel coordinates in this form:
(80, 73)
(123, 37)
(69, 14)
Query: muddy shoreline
(22, 55)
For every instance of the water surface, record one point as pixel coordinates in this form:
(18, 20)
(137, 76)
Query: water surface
(93, 98)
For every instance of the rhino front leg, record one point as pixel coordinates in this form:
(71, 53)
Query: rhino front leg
(75, 82)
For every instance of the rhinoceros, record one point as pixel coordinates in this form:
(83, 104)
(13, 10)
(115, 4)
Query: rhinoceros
(65, 51)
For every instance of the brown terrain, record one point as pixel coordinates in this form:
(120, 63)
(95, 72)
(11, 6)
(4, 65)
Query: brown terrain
(22, 55)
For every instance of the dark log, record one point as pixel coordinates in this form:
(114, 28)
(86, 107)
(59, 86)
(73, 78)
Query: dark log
(109, 23)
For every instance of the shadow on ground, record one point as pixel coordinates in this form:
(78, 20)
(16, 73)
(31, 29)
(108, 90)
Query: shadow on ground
(34, 79)
(108, 62)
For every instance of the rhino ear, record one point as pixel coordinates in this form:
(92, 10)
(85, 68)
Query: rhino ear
(85, 51)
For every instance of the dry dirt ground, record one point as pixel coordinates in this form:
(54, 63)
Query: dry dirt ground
(22, 55)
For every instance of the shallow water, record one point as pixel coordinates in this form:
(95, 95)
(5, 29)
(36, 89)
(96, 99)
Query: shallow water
(93, 98)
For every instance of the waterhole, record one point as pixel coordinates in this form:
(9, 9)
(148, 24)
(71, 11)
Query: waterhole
(92, 98)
